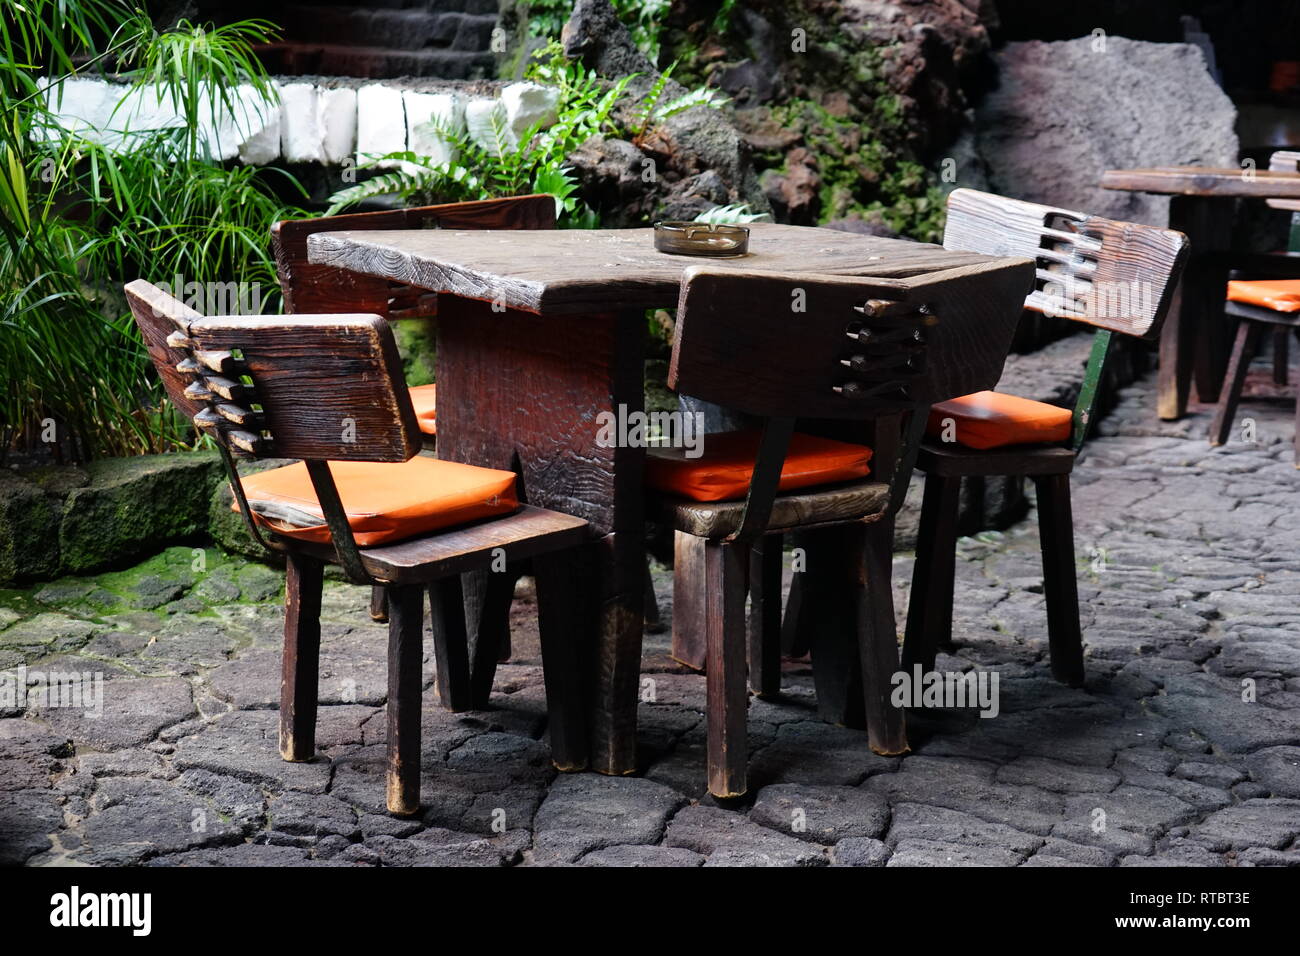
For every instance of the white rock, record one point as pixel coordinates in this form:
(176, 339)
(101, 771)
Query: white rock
(301, 135)
(427, 116)
(248, 122)
(480, 115)
(528, 105)
(381, 122)
(82, 106)
(338, 119)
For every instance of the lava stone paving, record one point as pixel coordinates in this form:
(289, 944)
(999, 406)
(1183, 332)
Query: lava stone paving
(1183, 748)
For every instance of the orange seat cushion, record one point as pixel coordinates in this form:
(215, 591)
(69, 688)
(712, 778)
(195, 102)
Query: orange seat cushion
(1280, 295)
(723, 471)
(425, 400)
(993, 419)
(384, 502)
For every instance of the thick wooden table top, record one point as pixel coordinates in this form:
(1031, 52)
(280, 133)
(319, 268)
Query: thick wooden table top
(1204, 181)
(572, 270)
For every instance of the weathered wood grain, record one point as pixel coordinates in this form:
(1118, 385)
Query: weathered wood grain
(1205, 181)
(1285, 161)
(718, 519)
(580, 270)
(312, 287)
(331, 387)
(741, 344)
(159, 315)
(1114, 275)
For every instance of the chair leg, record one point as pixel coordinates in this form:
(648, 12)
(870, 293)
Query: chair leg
(405, 656)
(794, 630)
(451, 643)
(929, 608)
(492, 643)
(1060, 577)
(1281, 354)
(873, 548)
(653, 621)
(1243, 350)
(728, 697)
(301, 663)
(765, 616)
(378, 604)
(688, 645)
(559, 622)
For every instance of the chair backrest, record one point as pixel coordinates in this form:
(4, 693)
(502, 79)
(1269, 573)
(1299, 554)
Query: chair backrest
(320, 387)
(825, 346)
(312, 288)
(1284, 161)
(822, 346)
(1113, 275)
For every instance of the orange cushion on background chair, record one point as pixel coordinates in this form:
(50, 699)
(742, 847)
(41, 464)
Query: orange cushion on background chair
(723, 472)
(425, 400)
(993, 419)
(384, 501)
(1280, 295)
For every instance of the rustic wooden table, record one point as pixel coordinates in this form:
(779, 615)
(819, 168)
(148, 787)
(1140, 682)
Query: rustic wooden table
(1196, 339)
(538, 332)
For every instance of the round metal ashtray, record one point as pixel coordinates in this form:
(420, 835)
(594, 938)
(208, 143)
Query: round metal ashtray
(701, 239)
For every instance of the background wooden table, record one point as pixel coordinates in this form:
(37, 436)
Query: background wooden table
(539, 332)
(1196, 339)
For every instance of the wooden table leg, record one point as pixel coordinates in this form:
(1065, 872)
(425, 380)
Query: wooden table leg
(829, 598)
(523, 391)
(1196, 337)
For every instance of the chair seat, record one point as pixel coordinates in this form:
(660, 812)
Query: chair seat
(527, 533)
(860, 499)
(952, 460)
(994, 420)
(384, 502)
(425, 400)
(1280, 295)
(723, 471)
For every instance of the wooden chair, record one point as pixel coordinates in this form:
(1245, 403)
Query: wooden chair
(1116, 276)
(1283, 264)
(877, 351)
(316, 289)
(1259, 305)
(328, 389)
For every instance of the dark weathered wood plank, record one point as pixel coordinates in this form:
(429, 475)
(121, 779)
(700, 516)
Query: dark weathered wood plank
(689, 611)
(601, 270)
(1060, 581)
(450, 643)
(300, 663)
(717, 519)
(873, 551)
(743, 342)
(725, 684)
(765, 616)
(405, 657)
(1205, 181)
(312, 288)
(330, 386)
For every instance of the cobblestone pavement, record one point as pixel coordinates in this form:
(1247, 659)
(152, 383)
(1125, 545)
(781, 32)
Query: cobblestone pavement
(1183, 748)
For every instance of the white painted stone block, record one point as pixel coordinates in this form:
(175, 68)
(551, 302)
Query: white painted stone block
(480, 115)
(338, 120)
(529, 104)
(381, 122)
(82, 106)
(427, 116)
(247, 123)
(301, 135)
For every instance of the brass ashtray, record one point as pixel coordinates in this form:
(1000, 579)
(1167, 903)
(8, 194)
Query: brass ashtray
(701, 239)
